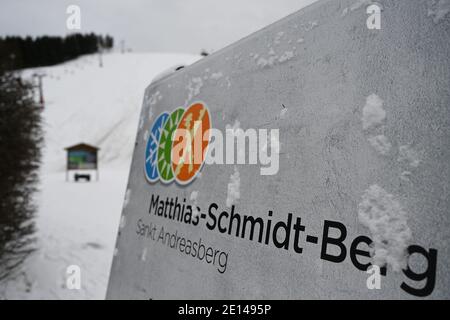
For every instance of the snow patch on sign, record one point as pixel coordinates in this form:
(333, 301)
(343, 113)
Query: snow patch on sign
(193, 198)
(355, 6)
(123, 222)
(233, 192)
(193, 87)
(146, 134)
(150, 113)
(405, 175)
(271, 57)
(126, 198)
(141, 122)
(216, 75)
(380, 143)
(264, 62)
(409, 155)
(386, 219)
(311, 25)
(228, 81)
(144, 254)
(287, 55)
(278, 37)
(194, 195)
(154, 98)
(438, 9)
(373, 113)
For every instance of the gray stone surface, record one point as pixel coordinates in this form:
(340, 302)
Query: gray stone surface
(327, 161)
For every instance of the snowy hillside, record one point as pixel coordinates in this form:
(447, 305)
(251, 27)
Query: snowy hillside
(77, 222)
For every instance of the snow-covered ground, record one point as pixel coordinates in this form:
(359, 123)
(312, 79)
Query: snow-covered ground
(77, 222)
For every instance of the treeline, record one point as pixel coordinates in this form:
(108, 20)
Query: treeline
(19, 53)
(20, 146)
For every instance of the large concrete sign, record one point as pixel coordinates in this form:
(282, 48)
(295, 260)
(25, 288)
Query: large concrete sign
(309, 160)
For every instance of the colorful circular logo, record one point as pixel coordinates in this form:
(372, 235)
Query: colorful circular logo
(177, 144)
(151, 150)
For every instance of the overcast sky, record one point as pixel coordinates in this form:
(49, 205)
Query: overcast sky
(150, 25)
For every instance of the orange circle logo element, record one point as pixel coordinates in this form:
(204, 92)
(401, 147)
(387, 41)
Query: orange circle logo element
(190, 143)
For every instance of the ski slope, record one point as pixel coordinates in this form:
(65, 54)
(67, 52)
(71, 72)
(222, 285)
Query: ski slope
(77, 222)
